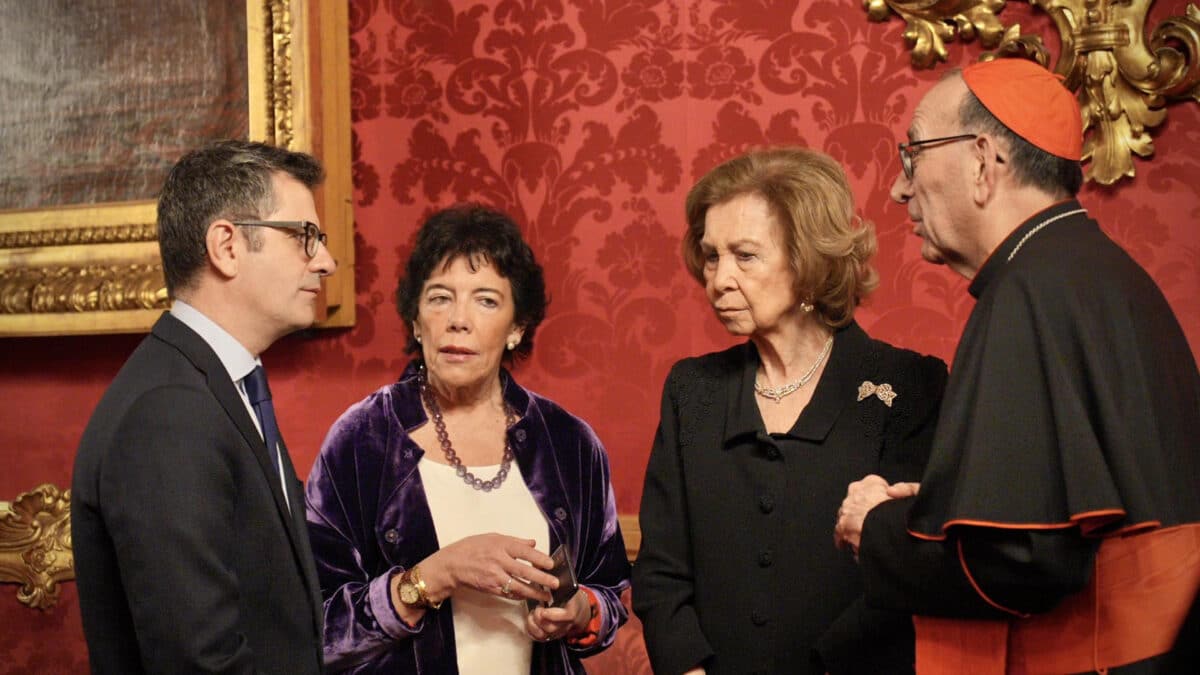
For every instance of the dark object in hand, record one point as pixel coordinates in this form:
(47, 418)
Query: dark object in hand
(567, 585)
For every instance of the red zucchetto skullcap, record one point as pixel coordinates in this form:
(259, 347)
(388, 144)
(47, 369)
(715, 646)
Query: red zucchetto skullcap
(1031, 101)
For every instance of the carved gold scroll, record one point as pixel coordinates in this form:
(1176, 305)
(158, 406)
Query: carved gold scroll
(1122, 79)
(92, 266)
(35, 544)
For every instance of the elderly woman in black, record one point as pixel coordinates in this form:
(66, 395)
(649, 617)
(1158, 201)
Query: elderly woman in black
(436, 501)
(737, 571)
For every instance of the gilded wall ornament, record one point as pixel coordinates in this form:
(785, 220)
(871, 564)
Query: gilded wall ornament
(35, 544)
(1123, 80)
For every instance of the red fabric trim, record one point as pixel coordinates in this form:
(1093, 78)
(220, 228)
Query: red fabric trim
(1140, 593)
(1086, 522)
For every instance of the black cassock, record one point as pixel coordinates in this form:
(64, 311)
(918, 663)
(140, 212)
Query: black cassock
(1072, 413)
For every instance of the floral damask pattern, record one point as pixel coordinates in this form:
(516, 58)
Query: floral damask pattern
(588, 120)
(721, 72)
(652, 76)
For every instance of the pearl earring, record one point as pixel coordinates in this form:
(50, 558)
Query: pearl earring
(512, 344)
(417, 338)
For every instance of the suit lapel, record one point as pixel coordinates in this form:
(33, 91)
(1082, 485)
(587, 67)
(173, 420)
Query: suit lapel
(300, 543)
(195, 349)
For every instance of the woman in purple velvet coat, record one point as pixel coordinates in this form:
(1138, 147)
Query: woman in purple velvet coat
(436, 501)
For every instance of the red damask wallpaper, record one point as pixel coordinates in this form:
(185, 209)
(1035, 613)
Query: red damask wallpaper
(588, 120)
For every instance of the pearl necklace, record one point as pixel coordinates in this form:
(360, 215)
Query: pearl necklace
(777, 393)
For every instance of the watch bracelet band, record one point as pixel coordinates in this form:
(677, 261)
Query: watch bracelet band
(414, 575)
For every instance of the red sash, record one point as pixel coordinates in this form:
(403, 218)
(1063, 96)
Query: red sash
(1139, 595)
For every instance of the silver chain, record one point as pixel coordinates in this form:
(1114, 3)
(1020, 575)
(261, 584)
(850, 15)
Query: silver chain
(1040, 226)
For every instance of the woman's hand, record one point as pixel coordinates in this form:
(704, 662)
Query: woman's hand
(489, 563)
(551, 623)
(861, 497)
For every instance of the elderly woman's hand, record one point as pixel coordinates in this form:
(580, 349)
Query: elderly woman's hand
(489, 563)
(551, 623)
(862, 496)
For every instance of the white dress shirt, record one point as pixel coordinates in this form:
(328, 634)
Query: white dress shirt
(238, 362)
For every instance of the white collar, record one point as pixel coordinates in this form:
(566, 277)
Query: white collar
(238, 360)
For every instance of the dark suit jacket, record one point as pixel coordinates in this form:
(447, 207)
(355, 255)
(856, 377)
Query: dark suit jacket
(737, 568)
(186, 556)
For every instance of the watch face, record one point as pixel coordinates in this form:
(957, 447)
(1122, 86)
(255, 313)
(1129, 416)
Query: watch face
(409, 594)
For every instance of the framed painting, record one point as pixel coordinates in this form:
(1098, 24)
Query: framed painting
(98, 99)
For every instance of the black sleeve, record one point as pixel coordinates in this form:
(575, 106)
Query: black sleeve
(662, 575)
(976, 572)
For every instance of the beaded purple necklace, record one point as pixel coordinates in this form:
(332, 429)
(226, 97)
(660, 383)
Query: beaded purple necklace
(439, 425)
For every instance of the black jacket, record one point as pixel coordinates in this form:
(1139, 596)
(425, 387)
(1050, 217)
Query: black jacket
(737, 568)
(186, 556)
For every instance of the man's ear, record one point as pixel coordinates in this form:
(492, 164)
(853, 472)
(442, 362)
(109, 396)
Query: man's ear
(987, 165)
(225, 247)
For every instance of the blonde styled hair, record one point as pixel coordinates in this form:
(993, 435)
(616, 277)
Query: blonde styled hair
(829, 246)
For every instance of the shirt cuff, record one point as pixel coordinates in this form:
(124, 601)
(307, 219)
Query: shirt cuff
(379, 595)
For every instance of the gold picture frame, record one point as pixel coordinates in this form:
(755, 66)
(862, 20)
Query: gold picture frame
(94, 268)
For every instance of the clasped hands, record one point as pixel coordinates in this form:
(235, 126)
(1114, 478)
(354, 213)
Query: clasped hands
(862, 496)
(511, 568)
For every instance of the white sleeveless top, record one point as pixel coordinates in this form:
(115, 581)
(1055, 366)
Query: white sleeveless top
(489, 630)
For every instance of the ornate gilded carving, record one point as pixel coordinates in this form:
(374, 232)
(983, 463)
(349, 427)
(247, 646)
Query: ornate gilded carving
(932, 24)
(89, 288)
(1123, 81)
(72, 236)
(35, 544)
(280, 91)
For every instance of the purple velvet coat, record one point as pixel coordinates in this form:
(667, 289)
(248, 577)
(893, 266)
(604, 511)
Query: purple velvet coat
(368, 519)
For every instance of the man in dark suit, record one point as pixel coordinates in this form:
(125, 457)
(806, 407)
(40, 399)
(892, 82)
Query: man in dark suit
(191, 551)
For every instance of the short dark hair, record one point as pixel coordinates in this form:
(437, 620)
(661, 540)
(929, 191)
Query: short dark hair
(475, 233)
(225, 179)
(1030, 164)
(829, 247)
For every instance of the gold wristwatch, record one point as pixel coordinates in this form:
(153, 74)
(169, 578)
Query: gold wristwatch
(412, 589)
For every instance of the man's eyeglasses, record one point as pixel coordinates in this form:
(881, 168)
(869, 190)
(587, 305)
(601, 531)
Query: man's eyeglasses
(312, 233)
(907, 150)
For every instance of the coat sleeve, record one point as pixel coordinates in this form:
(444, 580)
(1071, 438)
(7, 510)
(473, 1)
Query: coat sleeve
(976, 572)
(170, 492)
(602, 565)
(360, 620)
(662, 575)
(865, 639)
(1015, 444)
